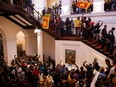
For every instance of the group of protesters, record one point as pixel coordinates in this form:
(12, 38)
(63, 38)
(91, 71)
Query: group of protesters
(55, 10)
(84, 27)
(28, 71)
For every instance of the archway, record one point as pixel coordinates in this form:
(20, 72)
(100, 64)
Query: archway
(20, 42)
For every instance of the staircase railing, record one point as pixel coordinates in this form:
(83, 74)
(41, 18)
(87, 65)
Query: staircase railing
(29, 9)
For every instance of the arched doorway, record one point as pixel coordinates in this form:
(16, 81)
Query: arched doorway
(20, 42)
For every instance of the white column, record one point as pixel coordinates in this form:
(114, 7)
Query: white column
(66, 7)
(11, 49)
(98, 6)
(39, 43)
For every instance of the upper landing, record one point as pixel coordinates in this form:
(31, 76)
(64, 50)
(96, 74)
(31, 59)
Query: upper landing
(109, 13)
(106, 17)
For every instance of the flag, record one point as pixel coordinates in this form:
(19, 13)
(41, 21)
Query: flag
(83, 5)
(45, 21)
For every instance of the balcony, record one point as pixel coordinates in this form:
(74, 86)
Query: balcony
(18, 15)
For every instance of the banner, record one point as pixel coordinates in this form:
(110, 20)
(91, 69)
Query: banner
(83, 5)
(45, 21)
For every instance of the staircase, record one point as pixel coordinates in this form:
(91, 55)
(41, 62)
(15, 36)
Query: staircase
(91, 43)
(16, 14)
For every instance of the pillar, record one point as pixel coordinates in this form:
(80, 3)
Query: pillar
(66, 7)
(39, 43)
(11, 50)
(98, 6)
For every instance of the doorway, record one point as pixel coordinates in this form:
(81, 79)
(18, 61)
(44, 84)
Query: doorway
(20, 42)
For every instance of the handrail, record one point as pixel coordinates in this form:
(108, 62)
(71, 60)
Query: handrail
(37, 12)
(24, 7)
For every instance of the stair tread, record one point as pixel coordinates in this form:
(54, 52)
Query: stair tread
(94, 45)
(110, 55)
(89, 42)
(106, 52)
(98, 47)
(102, 50)
(85, 40)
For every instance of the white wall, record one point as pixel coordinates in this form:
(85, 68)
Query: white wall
(83, 52)
(48, 45)
(10, 30)
(31, 42)
(52, 2)
(66, 7)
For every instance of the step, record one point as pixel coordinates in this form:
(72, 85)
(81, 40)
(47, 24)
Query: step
(94, 45)
(106, 53)
(102, 50)
(98, 47)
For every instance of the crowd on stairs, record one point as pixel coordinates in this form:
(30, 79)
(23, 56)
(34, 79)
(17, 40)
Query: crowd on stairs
(84, 28)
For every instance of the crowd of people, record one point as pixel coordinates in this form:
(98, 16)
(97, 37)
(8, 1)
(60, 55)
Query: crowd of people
(28, 71)
(25, 71)
(109, 5)
(55, 10)
(84, 27)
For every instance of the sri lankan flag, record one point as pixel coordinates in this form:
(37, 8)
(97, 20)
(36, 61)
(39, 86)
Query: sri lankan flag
(83, 5)
(45, 21)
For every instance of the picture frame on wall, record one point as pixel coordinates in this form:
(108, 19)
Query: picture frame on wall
(70, 56)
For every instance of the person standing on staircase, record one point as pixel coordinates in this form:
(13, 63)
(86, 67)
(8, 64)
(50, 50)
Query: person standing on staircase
(111, 39)
(103, 36)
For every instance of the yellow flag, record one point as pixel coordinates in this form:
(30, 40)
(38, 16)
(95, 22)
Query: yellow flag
(45, 21)
(83, 5)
